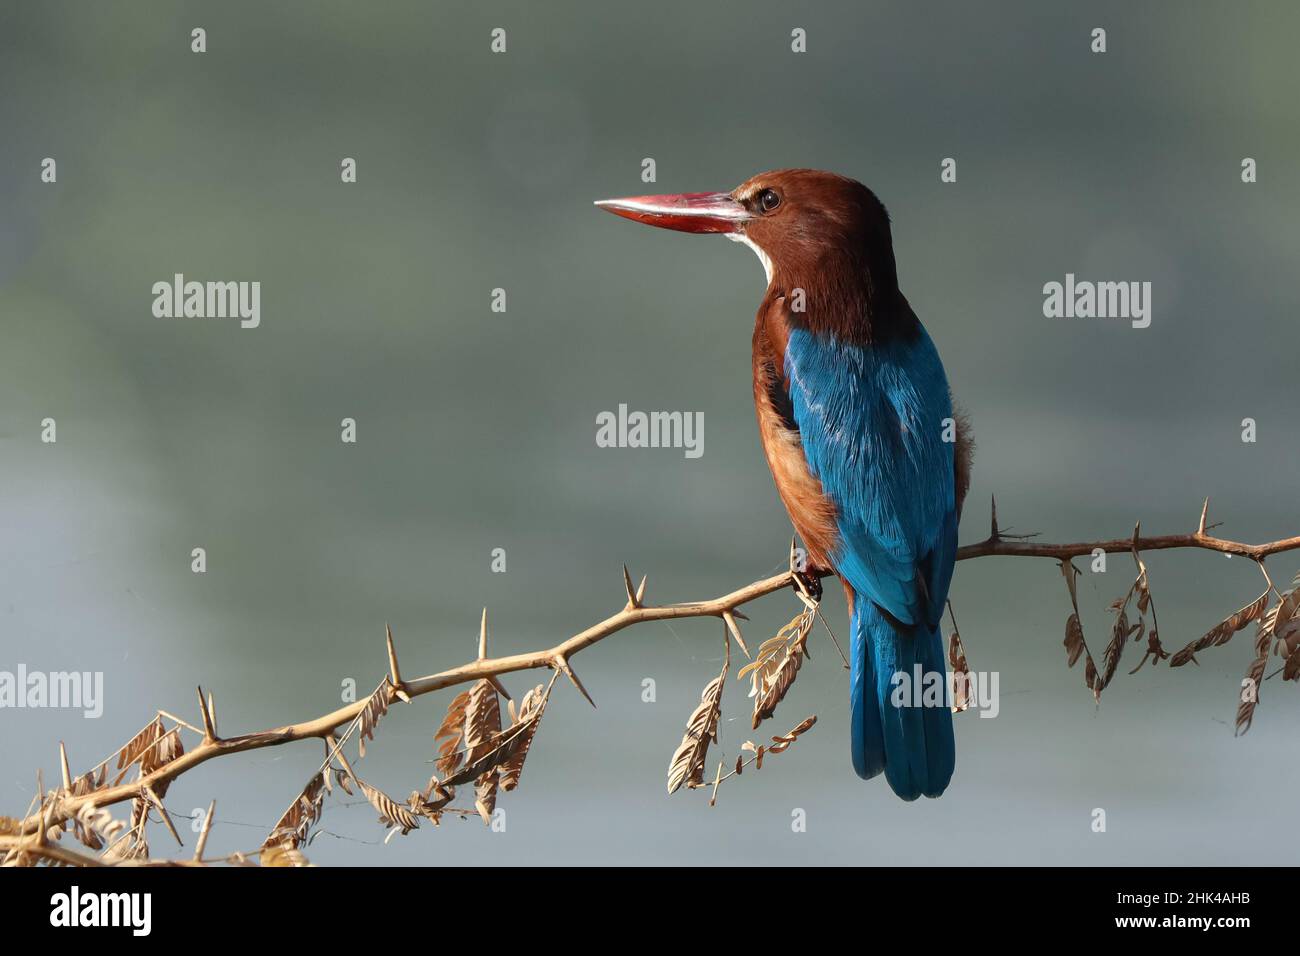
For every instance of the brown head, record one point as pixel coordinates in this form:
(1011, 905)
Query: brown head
(816, 231)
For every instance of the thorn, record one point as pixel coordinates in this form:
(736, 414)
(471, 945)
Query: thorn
(162, 812)
(203, 834)
(717, 779)
(640, 590)
(209, 732)
(63, 761)
(1205, 510)
(337, 750)
(501, 688)
(563, 664)
(394, 674)
(212, 712)
(46, 809)
(1137, 533)
(632, 595)
(734, 628)
(740, 615)
(482, 636)
(994, 533)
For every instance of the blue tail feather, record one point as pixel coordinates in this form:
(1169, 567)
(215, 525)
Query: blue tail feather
(912, 744)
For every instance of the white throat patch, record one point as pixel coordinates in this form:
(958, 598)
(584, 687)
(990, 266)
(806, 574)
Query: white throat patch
(762, 256)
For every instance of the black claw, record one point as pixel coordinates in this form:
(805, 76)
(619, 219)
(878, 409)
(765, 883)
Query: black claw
(806, 582)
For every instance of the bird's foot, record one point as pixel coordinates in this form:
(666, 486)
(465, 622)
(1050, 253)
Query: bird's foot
(805, 580)
(807, 583)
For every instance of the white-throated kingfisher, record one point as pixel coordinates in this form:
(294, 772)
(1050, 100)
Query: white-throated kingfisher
(858, 428)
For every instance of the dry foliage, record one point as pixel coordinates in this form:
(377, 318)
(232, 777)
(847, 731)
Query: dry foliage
(526, 719)
(474, 747)
(687, 765)
(771, 674)
(1277, 627)
(374, 711)
(1122, 629)
(482, 726)
(1222, 632)
(777, 664)
(391, 813)
(779, 744)
(961, 700)
(451, 733)
(281, 856)
(294, 826)
(502, 748)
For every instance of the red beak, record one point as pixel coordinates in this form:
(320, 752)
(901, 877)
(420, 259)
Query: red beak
(685, 212)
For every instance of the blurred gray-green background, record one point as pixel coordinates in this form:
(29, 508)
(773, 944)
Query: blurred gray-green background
(477, 429)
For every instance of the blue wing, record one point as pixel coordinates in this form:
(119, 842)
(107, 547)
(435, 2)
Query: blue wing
(872, 422)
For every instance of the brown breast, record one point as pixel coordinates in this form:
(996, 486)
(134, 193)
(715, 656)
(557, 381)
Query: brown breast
(812, 514)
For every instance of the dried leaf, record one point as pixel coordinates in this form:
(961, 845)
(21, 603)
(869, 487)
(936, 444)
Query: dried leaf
(1291, 670)
(496, 751)
(961, 683)
(374, 711)
(1287, 609)
(482, 725)
(135, 844)
(529, 716)
(431, 803)
(282, 856)
(1155, 652)
(391, 813)
(95, 825)
(776, 665)
(90, 782)
(1071, 574)
(137, 745)
(292, 829)
(687, 765)
(1288, 639)
(485, 795)
(1249, 699)
(1073, 639)
(164, 751)
(482, 719)
(1075, 643)
(1119, 635)
(1222, 632)
(342, 777)
(451, 732)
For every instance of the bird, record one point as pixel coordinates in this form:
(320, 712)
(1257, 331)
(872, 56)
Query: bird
(858, 427)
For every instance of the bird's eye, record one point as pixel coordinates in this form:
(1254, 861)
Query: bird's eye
(768, 200)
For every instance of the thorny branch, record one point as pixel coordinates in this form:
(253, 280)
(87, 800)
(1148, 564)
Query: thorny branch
(477, 749)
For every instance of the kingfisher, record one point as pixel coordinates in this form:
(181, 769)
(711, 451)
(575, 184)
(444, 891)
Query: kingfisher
(858, 427)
